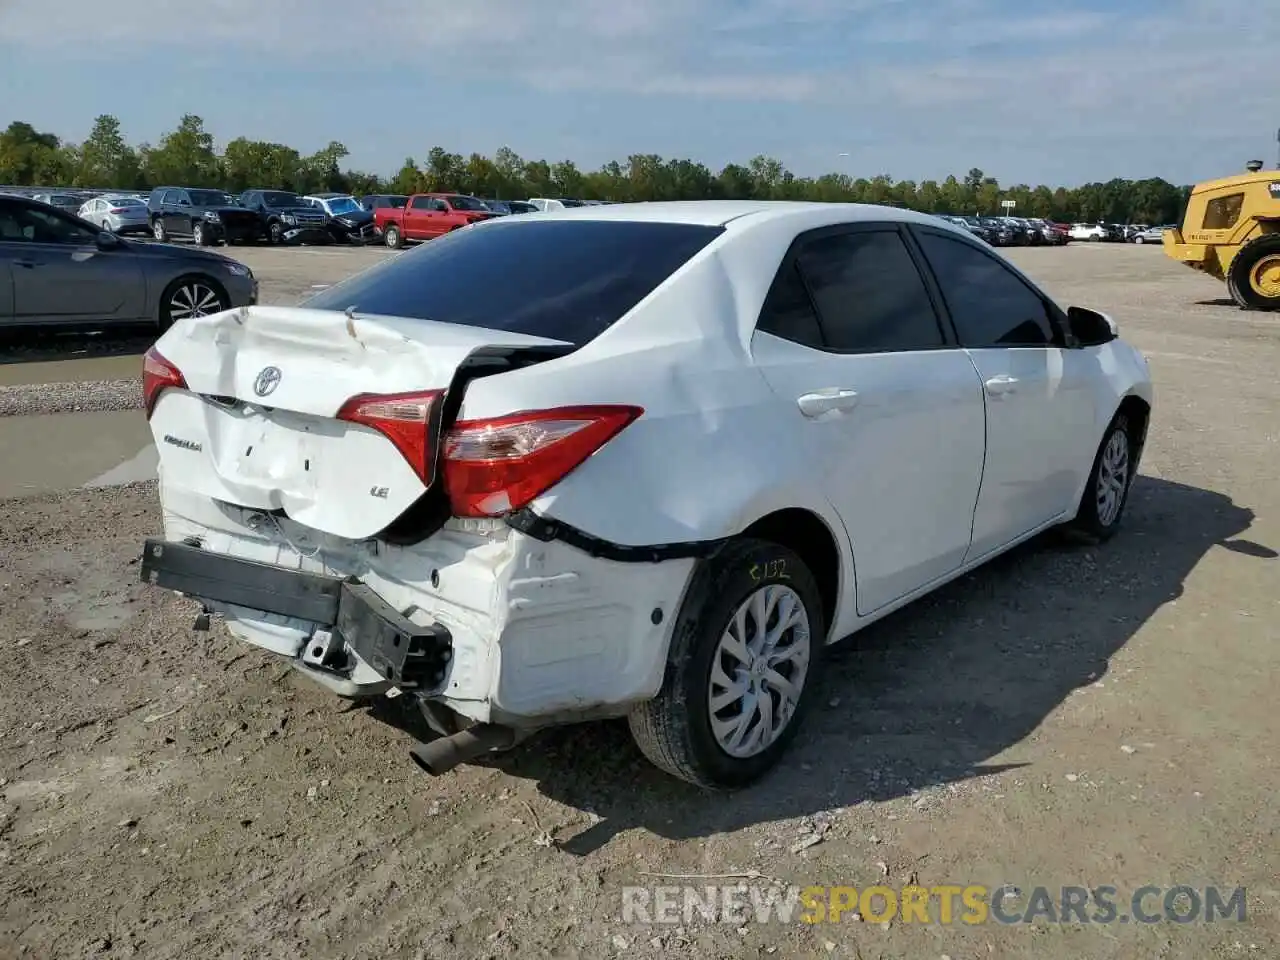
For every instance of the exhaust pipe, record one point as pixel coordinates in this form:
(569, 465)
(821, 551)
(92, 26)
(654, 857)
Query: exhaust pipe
(443, 754)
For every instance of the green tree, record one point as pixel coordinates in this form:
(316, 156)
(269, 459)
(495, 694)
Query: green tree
(106, 160)
(29, 156)
(184, 156)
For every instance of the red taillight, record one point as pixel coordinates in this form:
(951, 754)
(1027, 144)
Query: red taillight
(158, 374)
(403, 418)
(492, 467)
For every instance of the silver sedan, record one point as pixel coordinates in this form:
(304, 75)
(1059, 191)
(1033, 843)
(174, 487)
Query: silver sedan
(58, 269)
(117, 213)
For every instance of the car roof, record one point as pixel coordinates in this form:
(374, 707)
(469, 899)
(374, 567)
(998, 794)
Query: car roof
(718, 213)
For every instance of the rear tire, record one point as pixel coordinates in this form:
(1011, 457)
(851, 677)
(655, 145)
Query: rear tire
(391, 237)
(1107, 491)
(764, 684)
(1255, 273)
(158, 231)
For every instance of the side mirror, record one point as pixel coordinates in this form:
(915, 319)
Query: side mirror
(1090, 327)
(108, 241)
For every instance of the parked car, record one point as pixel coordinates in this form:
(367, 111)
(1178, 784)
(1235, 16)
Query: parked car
(520, 206)
(206, 216)
(428, 215)
(348, 221)
(542, 496)
(1151, 234)
(971, 224)
(376, 201)
(546, 204)
(1092, 232)
(1001, 232)
(117, 213)
(58, 269)
(500, 207)
(284, 217)
(70, 202)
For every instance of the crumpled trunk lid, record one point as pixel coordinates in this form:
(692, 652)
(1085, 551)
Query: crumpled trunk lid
(257, 425)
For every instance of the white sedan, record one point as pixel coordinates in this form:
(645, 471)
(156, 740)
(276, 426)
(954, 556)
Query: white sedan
(641, 460)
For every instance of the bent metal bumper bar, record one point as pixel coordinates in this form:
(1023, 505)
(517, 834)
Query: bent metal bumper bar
(408, 654)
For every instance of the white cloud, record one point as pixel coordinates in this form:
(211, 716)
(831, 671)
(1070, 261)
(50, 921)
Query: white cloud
(943, 68)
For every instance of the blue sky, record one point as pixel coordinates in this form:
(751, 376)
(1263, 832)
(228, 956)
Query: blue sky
(1028, 90)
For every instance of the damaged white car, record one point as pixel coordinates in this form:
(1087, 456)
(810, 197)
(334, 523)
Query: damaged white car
(639, 460)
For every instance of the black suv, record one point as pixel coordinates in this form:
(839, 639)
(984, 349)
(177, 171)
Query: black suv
(382, 201)
(206, 216)
(286, 216)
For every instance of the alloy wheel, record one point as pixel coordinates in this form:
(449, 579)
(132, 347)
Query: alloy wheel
(194, 300)
(758, 670)
(1113, 477)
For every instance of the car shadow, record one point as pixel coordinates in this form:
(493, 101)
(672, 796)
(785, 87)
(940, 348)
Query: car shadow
(43, 344)
(1218, 302)
(927, 696)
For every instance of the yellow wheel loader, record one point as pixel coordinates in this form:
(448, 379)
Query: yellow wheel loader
(1231, 231)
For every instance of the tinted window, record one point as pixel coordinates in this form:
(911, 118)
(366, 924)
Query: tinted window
(869, 293)
(422, 203)
(278, 198)
(466, 203)
(990, 304)
(18, 222)
(788, 311)
(566, 280)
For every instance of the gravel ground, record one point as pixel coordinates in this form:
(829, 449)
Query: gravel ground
(1067, 715)
(83, 396)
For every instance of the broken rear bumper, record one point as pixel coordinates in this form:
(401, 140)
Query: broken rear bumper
(541, 631)
(410, 655)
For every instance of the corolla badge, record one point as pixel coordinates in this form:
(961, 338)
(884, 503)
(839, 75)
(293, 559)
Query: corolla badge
(268, 379)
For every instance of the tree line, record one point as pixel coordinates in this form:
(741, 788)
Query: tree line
(187, 156)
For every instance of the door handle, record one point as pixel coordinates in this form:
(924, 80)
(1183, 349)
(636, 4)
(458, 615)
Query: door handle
(824, 401)
(1001, 386)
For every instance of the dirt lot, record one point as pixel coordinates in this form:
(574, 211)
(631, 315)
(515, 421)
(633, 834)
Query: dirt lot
(1070, 715)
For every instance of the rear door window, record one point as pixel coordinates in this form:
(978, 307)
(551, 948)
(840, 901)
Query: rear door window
(566, 280)
(869, 294)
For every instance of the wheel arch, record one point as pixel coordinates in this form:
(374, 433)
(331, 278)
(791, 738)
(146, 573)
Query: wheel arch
(809, 536)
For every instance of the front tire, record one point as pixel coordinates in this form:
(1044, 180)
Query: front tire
(745, 660)
(1254, 277)
(158, 231)
(199, 235)
(1107, 491)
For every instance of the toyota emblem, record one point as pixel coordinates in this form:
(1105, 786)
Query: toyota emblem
(267, 381)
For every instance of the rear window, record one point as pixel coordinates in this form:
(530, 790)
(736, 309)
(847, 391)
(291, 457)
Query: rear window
(566, 280)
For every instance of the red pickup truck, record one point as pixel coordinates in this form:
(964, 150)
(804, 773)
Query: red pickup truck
(427, 215)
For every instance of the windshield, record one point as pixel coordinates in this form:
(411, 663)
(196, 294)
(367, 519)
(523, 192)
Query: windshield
(278, 198)
(573, 203)
(566, 280)
(124, 201)
(466, 203)
(210, 198)
(343, 205)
